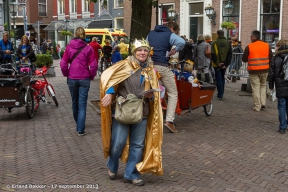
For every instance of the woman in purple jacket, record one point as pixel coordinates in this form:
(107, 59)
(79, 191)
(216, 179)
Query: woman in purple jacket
(79, 66)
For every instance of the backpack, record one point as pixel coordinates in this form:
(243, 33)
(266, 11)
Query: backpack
(208, 51)
(284, 69)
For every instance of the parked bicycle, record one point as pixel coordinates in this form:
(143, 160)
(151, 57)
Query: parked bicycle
(39, 87)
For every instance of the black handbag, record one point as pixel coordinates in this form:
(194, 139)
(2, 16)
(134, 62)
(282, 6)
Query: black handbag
(33, 57)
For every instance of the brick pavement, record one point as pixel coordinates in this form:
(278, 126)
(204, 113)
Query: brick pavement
(235, 149)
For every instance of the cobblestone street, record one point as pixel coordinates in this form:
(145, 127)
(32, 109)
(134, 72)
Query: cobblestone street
(234, 150)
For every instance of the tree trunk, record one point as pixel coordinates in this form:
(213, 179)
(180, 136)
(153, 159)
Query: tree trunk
(140, 19)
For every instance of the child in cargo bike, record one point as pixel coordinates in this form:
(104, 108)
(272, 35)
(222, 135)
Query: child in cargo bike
(187, 75)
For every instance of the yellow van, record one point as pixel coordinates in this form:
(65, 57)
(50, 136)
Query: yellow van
(101, 34)
(120, 33)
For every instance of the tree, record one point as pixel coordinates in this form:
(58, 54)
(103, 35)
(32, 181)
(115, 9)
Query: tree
(140, 18)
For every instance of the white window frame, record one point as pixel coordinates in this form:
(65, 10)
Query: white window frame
(20, 3)
(116, 21)
(73, 9)
(43, 4)
(160, 11)
(60, 7)
(118, 7)
(100, 6)
(85, 6)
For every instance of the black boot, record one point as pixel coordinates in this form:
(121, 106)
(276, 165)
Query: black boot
(207, 77)
(199, 76)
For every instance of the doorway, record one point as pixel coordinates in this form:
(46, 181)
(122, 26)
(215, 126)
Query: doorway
(196, 27)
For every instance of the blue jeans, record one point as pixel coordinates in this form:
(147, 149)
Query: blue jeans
(79, 92)
(220, 81)
(283, 112)
(137, 134)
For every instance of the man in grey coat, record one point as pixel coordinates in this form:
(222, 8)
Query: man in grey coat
(202, 62)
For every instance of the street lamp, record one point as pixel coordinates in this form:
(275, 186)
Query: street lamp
(66, 23)
(229, 8)
(172, 14)
(14, 7)
(211, 14)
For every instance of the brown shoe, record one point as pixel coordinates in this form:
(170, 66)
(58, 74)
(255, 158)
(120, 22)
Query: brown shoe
(171, 127)
(255, 109)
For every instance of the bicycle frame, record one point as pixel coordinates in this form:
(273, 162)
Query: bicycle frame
(39, 87)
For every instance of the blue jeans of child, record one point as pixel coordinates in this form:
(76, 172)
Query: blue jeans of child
(283, 112)
(79, 89)
(137, 134)
(220, 81)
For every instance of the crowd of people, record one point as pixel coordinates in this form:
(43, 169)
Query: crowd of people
(142, 72)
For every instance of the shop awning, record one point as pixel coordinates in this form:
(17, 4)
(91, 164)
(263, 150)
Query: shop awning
(73, 24)
(70, 24)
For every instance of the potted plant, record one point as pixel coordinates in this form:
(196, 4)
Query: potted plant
(64, 33)
(228, 25)
(45, 59)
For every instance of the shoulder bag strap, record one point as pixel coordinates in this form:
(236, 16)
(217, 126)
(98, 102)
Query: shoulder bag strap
(77, 53)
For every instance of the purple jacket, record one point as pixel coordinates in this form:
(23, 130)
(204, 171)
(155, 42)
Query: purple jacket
(83, 66)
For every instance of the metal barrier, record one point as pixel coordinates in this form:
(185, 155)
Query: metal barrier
(237, 68)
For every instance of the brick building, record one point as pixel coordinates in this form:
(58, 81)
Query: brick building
(263, 15)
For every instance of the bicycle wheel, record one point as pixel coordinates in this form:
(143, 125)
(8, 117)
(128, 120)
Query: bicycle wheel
(208, 108)
(29, 101)
(51, 93)
(105, 65)
(36, 103)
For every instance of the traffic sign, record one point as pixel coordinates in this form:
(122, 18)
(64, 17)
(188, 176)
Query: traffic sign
(27, 33)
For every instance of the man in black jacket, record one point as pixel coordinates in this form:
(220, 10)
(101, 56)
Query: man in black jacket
(276, 77)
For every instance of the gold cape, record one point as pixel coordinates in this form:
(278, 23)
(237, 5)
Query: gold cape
(152, 154)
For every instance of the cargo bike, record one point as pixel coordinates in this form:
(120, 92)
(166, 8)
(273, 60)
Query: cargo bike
(15, 90)
(190, 98)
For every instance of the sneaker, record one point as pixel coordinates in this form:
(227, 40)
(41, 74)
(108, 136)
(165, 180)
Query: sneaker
(112, 175)
(137, 182)
(81, 133)
(171, 127)
(263, 106)
(282, 131)
(220, 98)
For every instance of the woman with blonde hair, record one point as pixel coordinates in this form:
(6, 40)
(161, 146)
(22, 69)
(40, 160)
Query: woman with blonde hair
(79, 66)
(25, 50)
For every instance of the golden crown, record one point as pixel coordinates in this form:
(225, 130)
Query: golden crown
(139, 43)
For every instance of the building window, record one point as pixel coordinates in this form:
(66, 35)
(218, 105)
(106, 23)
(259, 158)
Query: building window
(85, 5)
(60, 7)
(118, 3)
(196, 9)
(233, 17)
(21, 4)
(119, 23)
(269, 21)
(103, 6)
(73, 6)
(42, 8)
(164, 13)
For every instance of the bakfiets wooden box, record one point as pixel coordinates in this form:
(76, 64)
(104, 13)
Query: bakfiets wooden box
(193, 97)
(12, 90)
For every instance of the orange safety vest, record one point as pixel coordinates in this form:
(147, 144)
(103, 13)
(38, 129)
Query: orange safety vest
(258, 58)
